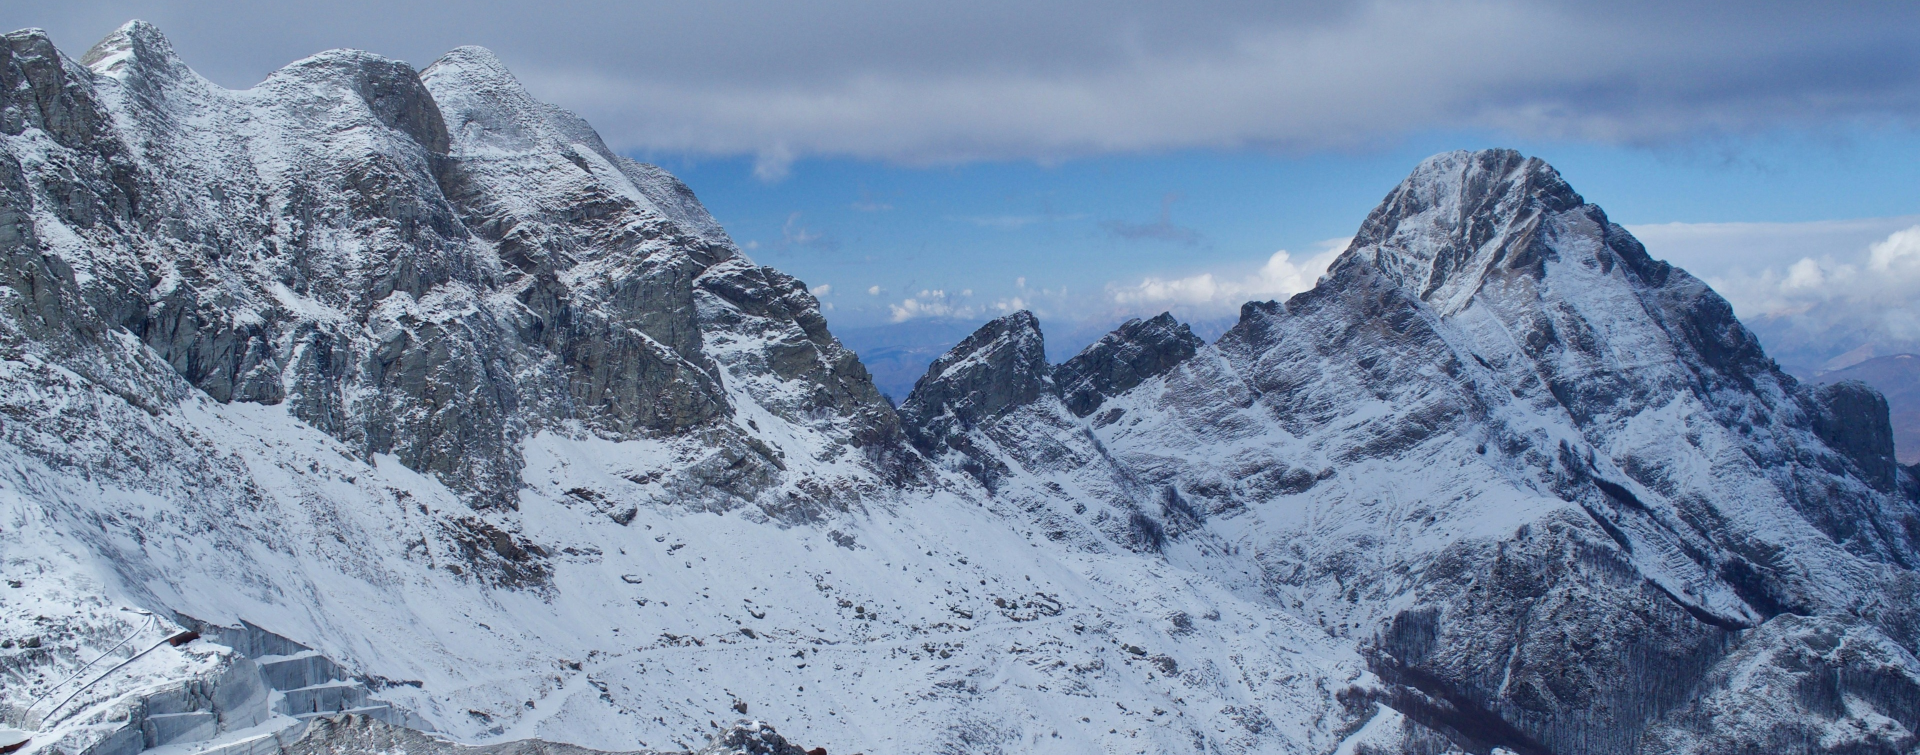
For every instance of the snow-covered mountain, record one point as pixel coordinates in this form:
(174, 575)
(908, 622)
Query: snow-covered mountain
(415, 401)
(1548, 486)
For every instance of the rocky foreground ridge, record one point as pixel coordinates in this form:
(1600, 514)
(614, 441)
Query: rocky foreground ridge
(507, 443)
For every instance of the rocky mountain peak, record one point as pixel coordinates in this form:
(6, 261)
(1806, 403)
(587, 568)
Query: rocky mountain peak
(44, 91)
(481, 409)
(1001, 367)
(1462, 217)
(433, 266)
(1136, 351)
(136, 44)
(391, 89)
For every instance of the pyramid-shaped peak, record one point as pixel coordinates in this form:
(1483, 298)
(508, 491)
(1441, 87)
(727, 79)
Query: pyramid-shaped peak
(1135, 352)
(1464, 176)
(135, 44)
(1013, 341)
(1019, 326)
(1457, 214)
(999, 368)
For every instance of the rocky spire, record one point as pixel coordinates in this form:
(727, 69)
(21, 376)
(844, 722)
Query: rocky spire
(1459, 217)
(1131, 354)
(42, 91)
(135, 45)
(999, 368)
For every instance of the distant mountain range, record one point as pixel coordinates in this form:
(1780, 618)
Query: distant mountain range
(897, 354)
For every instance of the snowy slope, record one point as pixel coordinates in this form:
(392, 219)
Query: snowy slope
(410, 372)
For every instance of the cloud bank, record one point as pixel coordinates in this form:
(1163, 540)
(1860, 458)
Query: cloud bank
(1217, 293)
(1820, 294)
(937, 304)
(998, 79)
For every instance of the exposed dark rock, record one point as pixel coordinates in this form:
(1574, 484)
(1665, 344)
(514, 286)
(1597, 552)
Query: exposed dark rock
(1897, 377)
(1854, 420)
(431, 265)
(1137, 351)
(999, 368)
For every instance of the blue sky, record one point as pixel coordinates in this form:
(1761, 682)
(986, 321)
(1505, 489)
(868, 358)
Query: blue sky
(1089, 224)
(929, 165)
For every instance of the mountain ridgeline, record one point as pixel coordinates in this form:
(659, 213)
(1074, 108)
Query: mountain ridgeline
(411, 374)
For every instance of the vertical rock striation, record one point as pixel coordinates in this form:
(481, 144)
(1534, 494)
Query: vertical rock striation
(433, 265)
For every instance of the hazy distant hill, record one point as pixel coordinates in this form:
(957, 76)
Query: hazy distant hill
(897, 355)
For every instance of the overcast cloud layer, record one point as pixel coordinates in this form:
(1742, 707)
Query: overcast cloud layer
(919, 84)
(1009, 79)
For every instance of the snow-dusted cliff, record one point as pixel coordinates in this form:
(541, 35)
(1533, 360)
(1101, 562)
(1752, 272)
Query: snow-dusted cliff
(1547, 485)
(417, 401)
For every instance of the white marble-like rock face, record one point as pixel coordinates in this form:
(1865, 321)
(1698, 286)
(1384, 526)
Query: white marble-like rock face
(414, 373)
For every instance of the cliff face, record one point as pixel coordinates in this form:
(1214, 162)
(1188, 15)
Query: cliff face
(432, 265)
(412, 373)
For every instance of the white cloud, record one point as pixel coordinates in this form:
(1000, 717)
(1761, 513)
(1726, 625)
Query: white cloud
(1218, 292)
(1844, 299)
(1805, 274)
(773, 164)
(1713, 249)
(822, 289)
(873, 290)
(1872, 283)
(938, 303)
(929, 303)
(1898, 251)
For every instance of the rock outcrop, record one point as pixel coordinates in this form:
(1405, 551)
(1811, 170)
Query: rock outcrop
(1139, 350)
